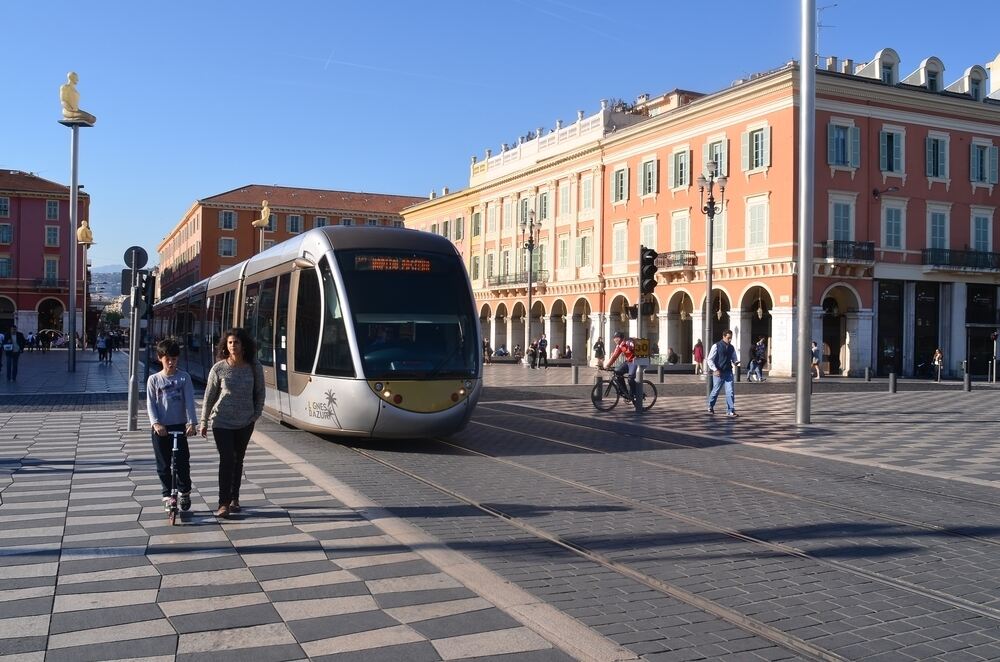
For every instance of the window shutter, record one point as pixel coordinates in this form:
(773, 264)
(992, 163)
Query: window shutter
(704, 159)
(724, 157)
(745, 151)
(897, 152)
(686, 174)
(942, 146)
(831, 144)
(929, 147)
(767, 147)
(221, 216)
(855, 147)
(973, 162)
(993, 165)
(883, 151)
(579, 249)
(670, 171)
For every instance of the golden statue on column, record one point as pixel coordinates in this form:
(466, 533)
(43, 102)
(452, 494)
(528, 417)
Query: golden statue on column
(84, 236)
(265, 216)
(70, 99)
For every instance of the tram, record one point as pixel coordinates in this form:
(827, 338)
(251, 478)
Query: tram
(367, 332)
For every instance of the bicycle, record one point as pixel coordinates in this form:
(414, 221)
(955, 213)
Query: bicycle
(173, 508)
(605, 396)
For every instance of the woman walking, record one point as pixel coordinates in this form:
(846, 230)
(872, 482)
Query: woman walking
(234, 400)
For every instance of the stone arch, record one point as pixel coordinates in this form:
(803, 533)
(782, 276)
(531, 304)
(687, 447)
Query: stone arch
(719, 313)
(8, 311)
(838, 328)
(50, 314)
(680, 332)
(618, 319)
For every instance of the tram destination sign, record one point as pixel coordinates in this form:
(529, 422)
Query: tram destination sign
(408, 263)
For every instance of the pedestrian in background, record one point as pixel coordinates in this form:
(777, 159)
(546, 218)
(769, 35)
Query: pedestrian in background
(722, 359)
(234, 400)
(938, 362)
(543, 352)
(815, 360)
(170, 406)
(13, 345)
(699, 357)
(599, 352)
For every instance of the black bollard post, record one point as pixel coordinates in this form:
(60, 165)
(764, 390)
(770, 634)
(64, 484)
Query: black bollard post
(892, 382)
(599, 382)
(661, 373)
(576, 374)
(736, 373)
(868, 373)
(967, 383)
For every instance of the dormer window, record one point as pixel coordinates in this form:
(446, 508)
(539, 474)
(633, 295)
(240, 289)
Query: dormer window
(976, 89)
(889, 74)
(932, 81)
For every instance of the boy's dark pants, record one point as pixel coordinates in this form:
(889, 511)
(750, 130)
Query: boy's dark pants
(162, 448)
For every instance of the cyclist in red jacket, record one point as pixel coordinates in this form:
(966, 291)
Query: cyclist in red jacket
(626, 348)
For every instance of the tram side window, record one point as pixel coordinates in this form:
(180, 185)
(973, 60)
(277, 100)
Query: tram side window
(334, 348)
(250, 308)
(261, 324)
(307, 317)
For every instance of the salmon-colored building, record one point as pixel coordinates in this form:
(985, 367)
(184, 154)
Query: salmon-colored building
(906, 198)
(217, 232)
(35, 244)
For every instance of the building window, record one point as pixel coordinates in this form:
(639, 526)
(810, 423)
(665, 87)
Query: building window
(507, 219)
(888, 74)
(347, 221)
(227, 246)
(647, 232)
(756, 238)
(445, 229)
(477, 224)
(755, 149)
(587, 202)
(583, 250)
(680, 231)
(397, 223)
(505, 263)
(680, 172)
(543, 206)
(976, 89)
(227, 220)
(268, 243)
(619, 185)
(5, 270)
(321, 222)
(982, 231)
(564, 206)
(51, 270)
(719, 238)
(294, 223)
(932, 81)
(51, 235)
(716, 150)
(983, 163)
(937, 156)
(4, 207)
(891, 151)
(374, 222)
(51, 210)
(843, 221)
(843, 145)
(434, 228)
(937, 228)
(892, 227)
(490, 265)
(564, 251)
(619, 238)
(6, 233)
(459, 228)
(491, 219)
(649, 184)
(538, 257)
(475, 267)
(522, 210)
(272, 223)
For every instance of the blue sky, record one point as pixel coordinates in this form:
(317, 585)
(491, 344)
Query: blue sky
(395, 96)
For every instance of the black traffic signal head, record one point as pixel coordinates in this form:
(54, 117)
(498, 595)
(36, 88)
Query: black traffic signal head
(647, 270)
(993, 336)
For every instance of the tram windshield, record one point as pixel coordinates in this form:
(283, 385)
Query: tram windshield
(413, 315)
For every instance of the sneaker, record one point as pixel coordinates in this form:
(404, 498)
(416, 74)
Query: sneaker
(234, 506)
(166, 504)
(186, 501)
(711, 411)
(733, 414)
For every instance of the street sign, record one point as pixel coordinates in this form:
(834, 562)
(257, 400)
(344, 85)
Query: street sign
(642, 348)
(136, 257)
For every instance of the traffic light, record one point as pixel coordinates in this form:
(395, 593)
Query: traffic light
(146, 288)
(647, 270)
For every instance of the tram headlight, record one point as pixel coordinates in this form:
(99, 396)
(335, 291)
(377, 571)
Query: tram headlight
(379, 386)
(386, 393)
(468, 383)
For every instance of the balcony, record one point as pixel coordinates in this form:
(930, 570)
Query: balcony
(856, 251)
(540, 276)
(944, 259)
(676, 260)
(50, 283)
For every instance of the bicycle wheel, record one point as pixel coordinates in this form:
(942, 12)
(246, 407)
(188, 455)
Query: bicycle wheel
(604, 396)
(648, 394)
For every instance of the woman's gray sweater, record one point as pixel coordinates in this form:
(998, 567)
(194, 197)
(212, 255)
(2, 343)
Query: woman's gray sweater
(233, 397)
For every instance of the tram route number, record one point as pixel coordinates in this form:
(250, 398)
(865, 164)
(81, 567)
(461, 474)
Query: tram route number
(391, 263)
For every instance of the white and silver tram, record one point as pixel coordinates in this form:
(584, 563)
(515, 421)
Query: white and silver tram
(361, 331)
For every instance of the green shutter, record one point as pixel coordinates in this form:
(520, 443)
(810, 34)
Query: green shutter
(973, 162)
(745, 150)
(942, 146)
(855, 147)
(831, 144)
(993, 165)
(897, 152)
(766, 160)
(929, 149)
(883, 151)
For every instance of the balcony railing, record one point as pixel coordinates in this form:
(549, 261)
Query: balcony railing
(945, 257)
(51, 282)
(677, 260)
(863, 251)
(540, 276)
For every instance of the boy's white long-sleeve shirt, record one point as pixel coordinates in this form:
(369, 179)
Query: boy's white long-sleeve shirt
(170, 399)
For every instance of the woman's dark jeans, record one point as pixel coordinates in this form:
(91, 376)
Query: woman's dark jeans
(232, 447)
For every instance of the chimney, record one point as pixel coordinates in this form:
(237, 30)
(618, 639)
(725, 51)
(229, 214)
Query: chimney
(432, 195)
(579, 116)
(847, 66)
(489, 153)
(831, 63)
(444, 190)
(474, 159)
(558, 124)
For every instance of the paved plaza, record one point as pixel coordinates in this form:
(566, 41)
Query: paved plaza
(339, 557)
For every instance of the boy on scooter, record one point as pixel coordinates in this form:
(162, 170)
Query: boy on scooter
(170, 405)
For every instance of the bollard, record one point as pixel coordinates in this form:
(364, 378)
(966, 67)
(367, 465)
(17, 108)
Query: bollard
(736, 373)
(967, 383)
(576, 374)
(640, 374)
(661, 373)
(892, 382)
(599, 382)
(868, 374)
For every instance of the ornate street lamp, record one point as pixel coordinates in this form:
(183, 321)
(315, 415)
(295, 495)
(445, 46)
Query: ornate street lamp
(529, 228)
(710, 208)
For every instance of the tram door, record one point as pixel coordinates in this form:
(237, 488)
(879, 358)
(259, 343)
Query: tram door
(281, 345)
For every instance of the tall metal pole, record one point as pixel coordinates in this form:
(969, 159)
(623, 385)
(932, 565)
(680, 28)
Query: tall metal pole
(73, 195)
(709, 228)
(527, 331)
(807, 152)
(83, 320)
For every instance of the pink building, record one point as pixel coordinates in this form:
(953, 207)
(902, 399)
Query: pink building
(35, 241)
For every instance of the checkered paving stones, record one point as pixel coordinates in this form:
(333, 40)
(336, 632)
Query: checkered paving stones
(91, 570)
